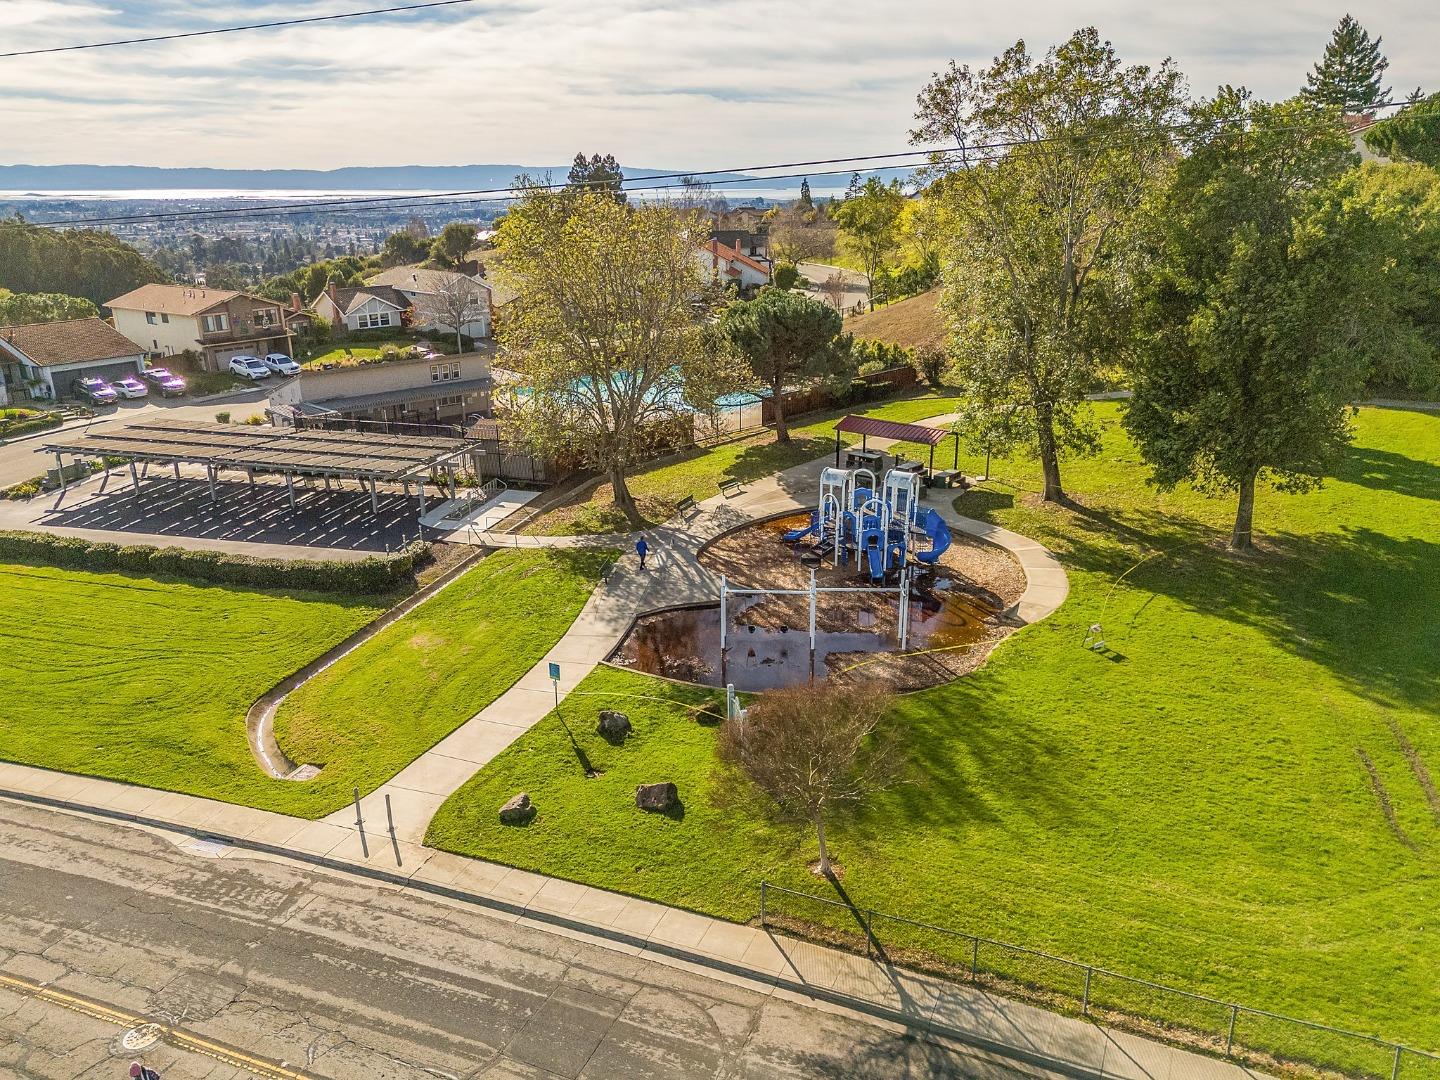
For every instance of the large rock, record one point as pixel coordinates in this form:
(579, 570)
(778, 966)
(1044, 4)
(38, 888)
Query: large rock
(657, 797)
(517, 811)
(613, 725)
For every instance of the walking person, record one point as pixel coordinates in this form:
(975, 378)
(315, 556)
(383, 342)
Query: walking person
(642, 549)
(142, 1072)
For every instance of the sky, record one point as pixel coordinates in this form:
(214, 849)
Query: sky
(683, 84)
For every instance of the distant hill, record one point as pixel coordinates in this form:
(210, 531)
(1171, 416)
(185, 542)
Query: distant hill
(46, 178)
(914, 322)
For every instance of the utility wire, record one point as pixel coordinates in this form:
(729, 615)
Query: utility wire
(401, 9)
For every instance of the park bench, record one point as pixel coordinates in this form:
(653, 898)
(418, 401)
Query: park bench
(729, 488)
(685, 505)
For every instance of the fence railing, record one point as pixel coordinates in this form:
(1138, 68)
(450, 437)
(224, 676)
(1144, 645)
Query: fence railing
(1189, 1019)
(474, 497)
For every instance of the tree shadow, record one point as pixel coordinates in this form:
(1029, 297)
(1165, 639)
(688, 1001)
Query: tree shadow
(1384, 470)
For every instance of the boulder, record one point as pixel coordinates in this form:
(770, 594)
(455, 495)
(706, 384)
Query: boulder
(657, 797)
(613, 725)
(517, 811)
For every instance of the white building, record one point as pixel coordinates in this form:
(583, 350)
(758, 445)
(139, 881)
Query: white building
(41, 361)
(214, 323)
(370, 307)
(722, 263)
(423, 290)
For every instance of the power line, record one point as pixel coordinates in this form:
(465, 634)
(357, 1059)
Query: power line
(401, 9)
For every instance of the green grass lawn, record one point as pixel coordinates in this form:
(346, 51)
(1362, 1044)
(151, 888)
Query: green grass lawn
(658, 488)
(1192, 807)
(147, 681)
(377, 709)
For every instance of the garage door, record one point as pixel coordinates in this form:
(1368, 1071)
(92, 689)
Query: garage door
(222, 356)
(109, 372)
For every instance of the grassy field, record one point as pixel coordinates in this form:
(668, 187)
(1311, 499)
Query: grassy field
(148, 682)
(1233, 799)
(657, 489)
(405, 689)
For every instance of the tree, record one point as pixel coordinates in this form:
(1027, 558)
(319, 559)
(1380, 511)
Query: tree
(1041, 235)
(812, 751)
(1268, 304)
(870, 217)
(609, 327)
(402, 248)
(805, 202)
(1412, 135)
(787, 275)
(1348, 75)
(89, 263)
(18, 308)
(601, 175)
(836, 288)
(455, 241)
(456, 301)
(798, 235)
(695, 193)
(784, 337)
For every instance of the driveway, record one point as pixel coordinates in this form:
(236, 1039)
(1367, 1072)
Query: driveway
(857, 285)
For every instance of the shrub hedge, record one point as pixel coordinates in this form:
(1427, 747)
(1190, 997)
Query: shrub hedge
(375, 574)
(29, 427)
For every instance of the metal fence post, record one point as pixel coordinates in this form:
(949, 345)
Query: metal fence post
(1085, 1005)
(1395, 1069)
(975, 959)
(762, 903)
(869, 933)
(1230, 1035)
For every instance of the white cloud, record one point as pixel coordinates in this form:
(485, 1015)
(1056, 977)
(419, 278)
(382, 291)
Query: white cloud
(687, 84)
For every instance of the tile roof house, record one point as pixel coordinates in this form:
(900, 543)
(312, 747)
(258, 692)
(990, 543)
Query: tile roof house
(368, 307)
(42, 360)
(722, 263)
(421, 287)
(215, 323)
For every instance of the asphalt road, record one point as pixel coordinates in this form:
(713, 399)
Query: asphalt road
(857, 288)
(19, 461)
(340, 978)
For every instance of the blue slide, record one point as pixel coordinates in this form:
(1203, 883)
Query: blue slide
(800, 534)
(940, 538)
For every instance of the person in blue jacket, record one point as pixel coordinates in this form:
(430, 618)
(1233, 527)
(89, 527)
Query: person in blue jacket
(642, 549)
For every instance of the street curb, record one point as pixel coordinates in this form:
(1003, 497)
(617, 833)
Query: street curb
(564, 922)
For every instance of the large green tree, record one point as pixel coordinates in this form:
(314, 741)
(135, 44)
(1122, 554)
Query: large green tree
(1266, 307)
(870, 218)
(785, 337)
(76, 262)
(1046, 167)
(455, 241)
(598, 175)
(1348, 76)
(18, 308)
(1412, 135)
(609, 329)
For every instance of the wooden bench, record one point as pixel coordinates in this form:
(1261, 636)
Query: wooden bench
(729, 488)
(685, 505)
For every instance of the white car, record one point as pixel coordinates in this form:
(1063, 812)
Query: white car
(130, 387)
(249, 367)
(281, 364)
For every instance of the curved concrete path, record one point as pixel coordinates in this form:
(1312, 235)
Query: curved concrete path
(674, 577)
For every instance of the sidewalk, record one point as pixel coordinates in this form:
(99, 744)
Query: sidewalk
(746, 955)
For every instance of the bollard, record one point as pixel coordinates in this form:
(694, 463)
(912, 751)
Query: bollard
(360, 826)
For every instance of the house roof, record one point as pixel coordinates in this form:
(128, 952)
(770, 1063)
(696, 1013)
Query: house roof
(729, 254)
(71, 341)
(172, 299)
(420, 279)
(347, 300)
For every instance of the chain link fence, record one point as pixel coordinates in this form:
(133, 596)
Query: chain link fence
(1195, 1021)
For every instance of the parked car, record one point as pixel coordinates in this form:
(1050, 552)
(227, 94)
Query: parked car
(96, 391)
(250, 367)
(130, 387)
(281, 364)
(163, 379)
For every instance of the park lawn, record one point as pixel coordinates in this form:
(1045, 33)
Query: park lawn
(1191, 806)
(147, 681)
(699, 472)
(377, 709)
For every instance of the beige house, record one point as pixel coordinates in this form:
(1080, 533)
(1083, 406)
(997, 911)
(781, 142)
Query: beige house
(370, 307)
(423, 290)
(438, 390)
(215, 323)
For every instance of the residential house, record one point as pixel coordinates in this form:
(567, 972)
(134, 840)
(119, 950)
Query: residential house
(422, 289)
(428, 390)
(1356, 124)
(755, 244)
(723, 264)
(215, 323)
(40, 361)
(370, 307)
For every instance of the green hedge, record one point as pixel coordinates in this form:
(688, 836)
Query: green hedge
(375, 574)
(29, 427)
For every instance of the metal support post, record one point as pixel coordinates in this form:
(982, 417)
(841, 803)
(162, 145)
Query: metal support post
(60, 470)
(975, 958)
(1085, 1004)
(374, 497)
(210, 477)
(134, 478)
(290, 488)
(1395, 1068)
(812, 618)
(724, 588)
(1230, 1035)
(762, 902)
(250, 475)
(359, 820)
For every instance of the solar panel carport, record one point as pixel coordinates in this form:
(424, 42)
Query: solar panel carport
(340, 455)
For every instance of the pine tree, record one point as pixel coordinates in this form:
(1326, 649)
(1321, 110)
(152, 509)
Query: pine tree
(805, 193)
(1348, 76)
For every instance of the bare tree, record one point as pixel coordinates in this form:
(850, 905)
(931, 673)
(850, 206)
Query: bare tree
(813, 750)
(457, 301)
(834, 288)
(798, 235)
(695, 194)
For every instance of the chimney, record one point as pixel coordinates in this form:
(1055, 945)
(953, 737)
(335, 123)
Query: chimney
(295, 304)
(331, 292)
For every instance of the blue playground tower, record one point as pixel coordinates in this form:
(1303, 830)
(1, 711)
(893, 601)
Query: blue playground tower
(877, 528)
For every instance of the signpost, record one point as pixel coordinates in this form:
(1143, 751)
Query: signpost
(555, 681)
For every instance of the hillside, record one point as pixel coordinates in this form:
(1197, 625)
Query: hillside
(913, 322)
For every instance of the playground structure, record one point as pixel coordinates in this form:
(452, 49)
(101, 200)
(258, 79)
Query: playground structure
(878, 529)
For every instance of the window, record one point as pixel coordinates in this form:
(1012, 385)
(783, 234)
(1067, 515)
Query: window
(454, 399)
(215, 323)
(150, 317)
(372, 321)
(164, 317)
(444, 372)
(264, 316)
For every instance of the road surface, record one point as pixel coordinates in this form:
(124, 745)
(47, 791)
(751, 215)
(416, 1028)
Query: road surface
(337, 977)
(19, 461)
(857, 286)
